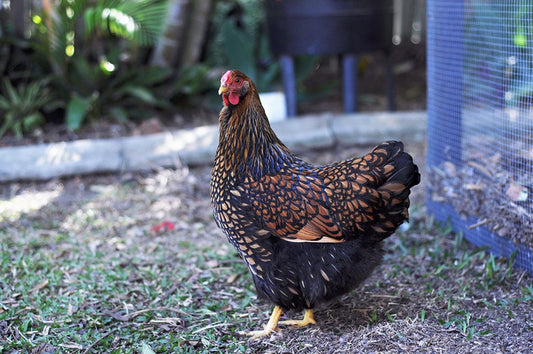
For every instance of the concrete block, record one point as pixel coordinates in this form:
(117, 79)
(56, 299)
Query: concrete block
(191, 147)
(197, 146)
(371, 128)
(303, 133)
(58, 159)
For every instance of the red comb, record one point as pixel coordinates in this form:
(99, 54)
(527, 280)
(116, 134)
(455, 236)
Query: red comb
(225, 77)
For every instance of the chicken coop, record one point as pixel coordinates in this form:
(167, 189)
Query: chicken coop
(480, 122)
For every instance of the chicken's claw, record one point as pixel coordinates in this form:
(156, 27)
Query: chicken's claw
(308, 319)
(258, 334)
(270, 327)
(272, 324)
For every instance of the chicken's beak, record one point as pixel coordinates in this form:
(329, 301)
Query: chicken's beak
(223, 89)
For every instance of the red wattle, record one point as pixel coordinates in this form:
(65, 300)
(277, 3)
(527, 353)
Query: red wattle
(234, 98)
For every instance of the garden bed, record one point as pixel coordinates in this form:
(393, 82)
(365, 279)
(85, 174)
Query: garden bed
(489, 198)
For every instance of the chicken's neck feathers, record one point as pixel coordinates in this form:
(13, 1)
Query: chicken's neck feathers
(247, 143)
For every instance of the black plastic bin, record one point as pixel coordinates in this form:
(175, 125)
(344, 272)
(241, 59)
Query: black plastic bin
(342, 27)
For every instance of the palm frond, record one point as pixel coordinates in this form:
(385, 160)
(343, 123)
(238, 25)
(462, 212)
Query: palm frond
(140, 21)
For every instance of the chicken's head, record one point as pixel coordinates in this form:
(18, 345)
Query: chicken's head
(233, 86)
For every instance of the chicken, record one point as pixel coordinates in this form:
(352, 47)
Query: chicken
(307, 234)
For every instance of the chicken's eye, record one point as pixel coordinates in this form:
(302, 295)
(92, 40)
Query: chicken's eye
(238, 80)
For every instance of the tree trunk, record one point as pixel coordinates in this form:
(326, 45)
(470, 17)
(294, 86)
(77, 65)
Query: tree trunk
(166, 52)
(196, 31)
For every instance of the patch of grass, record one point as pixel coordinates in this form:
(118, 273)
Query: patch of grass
(474, 271)
(462, 321)
(108, 300)
(94, 277)
(422, 316)
(527, 293)
(89, 284)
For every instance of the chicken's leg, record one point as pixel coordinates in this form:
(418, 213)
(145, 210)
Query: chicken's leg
(308, 319)
(271, 326)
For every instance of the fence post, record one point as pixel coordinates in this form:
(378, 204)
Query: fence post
(445, 33)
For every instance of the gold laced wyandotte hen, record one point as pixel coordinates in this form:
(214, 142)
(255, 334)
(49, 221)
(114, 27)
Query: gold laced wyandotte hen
(307, 234)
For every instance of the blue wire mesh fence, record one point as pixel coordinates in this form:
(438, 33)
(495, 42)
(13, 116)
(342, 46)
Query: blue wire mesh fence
(480, 122)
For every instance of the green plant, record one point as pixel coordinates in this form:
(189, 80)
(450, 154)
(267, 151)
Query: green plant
(238, 41)
(128, 94)
(20, 107)
(193, 81)
(15, 63)
(100, 31)
(95, 52)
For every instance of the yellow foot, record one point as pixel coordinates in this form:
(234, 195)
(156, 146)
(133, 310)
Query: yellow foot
(271, 326)
(308, 319)
(258, 334)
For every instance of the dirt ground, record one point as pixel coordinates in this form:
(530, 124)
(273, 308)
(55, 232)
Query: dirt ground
(432, 294)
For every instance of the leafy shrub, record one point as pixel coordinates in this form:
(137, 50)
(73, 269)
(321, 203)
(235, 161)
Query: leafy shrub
(237, 40)
(95, 53)
(20, 107)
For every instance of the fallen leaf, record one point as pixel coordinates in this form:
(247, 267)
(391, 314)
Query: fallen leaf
(481, 168)
(45, 331)
(232, 278)
(213, 263)
(36, 288)
(116, 315)
(473, 187)
(449, 168)
(71, 309)
(516, 192)
(226, 308)
(495, 159)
